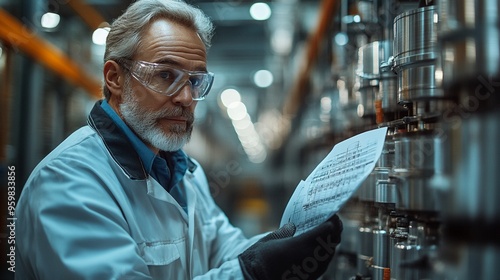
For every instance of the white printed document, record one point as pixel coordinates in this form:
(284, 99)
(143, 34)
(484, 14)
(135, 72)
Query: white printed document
(334, 180)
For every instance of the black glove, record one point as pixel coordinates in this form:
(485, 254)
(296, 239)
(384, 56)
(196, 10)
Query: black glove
(278, 255)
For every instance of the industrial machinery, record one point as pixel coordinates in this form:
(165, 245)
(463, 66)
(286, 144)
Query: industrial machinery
(429, 71)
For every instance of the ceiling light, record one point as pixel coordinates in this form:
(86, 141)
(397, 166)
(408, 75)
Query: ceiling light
(263, 78)
(260, 11)
(50, 20)
(99, 36)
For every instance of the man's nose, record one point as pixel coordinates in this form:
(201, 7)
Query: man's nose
(184, 96)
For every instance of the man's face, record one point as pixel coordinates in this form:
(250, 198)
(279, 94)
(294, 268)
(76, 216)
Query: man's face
(164, 122)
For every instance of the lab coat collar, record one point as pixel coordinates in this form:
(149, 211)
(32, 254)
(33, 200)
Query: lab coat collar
(117, 143)
(119, 146)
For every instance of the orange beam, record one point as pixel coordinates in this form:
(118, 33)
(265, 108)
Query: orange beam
(300, 89)
(19, 37)
(88, 14)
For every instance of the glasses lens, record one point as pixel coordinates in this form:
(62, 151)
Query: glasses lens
(200, 84)
(167, 80)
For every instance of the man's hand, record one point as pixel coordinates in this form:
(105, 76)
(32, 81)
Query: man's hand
(278, 255)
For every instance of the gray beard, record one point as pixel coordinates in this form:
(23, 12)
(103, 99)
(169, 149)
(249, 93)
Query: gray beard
(145, 125)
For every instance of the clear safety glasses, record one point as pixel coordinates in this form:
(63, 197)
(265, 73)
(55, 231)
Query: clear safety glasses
(168, 80)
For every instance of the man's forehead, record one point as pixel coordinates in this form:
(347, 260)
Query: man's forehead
(165, 40)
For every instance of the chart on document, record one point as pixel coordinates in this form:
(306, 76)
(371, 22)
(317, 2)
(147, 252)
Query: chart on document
(334, 180)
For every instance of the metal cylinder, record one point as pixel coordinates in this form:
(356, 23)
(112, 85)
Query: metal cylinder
(381, 270)
(370, 56)
(468, 33)
(367, 82)
(388, 90)
(371, 78)
(405, 251)
(368, 189)
(366, 98)
(397, 238)
(416, 55)
(416, 155)
(386, 192)
(365, 250)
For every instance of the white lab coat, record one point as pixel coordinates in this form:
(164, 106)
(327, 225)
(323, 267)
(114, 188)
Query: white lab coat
(87, 213)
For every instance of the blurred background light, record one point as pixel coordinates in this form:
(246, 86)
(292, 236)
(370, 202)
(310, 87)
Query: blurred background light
(260, 11)
(282, 41)
(243, 123)
(236, 111)
(229, 96)
(341, 39)
(50, 20)
(99, 36)
(263, 78)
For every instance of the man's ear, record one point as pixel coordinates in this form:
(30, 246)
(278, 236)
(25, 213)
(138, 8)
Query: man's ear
(113, 78)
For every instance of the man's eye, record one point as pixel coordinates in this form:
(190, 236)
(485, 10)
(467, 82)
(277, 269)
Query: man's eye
(166, 75)
(196, 81)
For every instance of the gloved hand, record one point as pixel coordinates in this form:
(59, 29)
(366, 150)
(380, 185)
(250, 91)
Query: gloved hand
(278, 255)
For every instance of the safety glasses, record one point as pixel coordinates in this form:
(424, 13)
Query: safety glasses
(167, 80)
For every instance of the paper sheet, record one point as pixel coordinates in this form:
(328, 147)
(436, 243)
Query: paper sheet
(334, 180)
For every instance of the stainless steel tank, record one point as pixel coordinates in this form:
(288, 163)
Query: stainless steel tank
(375, 85)
(416, 156)
(416, 55)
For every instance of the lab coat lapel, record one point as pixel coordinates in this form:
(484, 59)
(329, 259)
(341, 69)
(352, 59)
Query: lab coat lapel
(157, 191)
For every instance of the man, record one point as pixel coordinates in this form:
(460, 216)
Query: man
(119, 199)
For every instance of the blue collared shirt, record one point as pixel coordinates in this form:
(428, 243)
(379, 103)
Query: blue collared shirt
(168, 168)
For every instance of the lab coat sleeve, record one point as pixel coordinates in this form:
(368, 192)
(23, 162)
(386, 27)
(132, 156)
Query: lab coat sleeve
(77, 229)
(229, 241)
